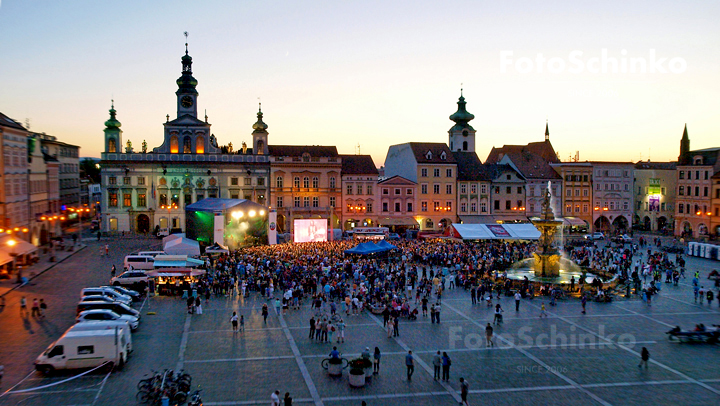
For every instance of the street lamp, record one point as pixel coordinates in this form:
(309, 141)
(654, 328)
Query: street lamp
(11, 243)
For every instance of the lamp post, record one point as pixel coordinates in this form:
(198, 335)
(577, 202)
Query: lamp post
(11, 243)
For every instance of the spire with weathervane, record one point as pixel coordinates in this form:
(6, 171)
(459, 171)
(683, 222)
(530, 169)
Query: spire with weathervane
(260, 134)
(462, 134)
(547, 131)
(684, 144)
(186, 93)
(113, 133)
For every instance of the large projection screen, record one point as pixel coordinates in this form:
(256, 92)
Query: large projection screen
(310, 230)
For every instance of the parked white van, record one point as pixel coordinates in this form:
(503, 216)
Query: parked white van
(139, 262)
(84, 349)
(151, 253)
(122, 326)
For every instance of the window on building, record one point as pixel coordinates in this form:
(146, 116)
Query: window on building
(163, 199)
(436, 188)
(681, 191)
(463, 188)
(423, 189)
(112, 199)
(385, 191)
(397, 207)
(508, 189)
(332, 182)
(385, 207)
(332, 202)
(508, 205)
(141, 180)
(397, 191)
(697, 175)
(436, 206)
(247, 181)
(315, 182)
(126, 180)
(429, 223)
(369, 207)
(423, 206)
(306, 182)
(448, 173)
(568, 193)
(483, 207)
(187, 145)
(409, 207)
(306, 201)
(316, 201)
(463, 207)
(369, 189)
(423, 172)
(436, 172)
(296, 201)
(697, 190)
(705, 191)
(496, 204)
(174, 144)
(626, 205)
(142, 200)
(261, 181)
(112, 180)
(448, 189)
(349, 188)
(483, 189)
(200, 196)
(519, 189)
(127, 200)
(577, 208)
(568, 208)
(519, 204)
(296, 182)
(359, 188)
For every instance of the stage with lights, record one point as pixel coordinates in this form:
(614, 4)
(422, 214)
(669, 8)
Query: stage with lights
(230, 222)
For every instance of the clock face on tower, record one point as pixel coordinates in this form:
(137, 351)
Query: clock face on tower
(186, 101)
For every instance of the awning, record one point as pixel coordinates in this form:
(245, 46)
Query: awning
(21, 247)
(525, 231)
(397, 221)
(169, 272)
(5, 257)
(493, 219)
(176, 261)
(182, 246)
(574, 222)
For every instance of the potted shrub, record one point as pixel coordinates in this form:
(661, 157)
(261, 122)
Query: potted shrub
(363, 364)
(357, 377)
(335, 366)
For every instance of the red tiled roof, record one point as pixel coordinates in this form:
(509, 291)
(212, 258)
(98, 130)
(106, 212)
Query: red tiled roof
(544, 149)
(358, 165)
(299, 150)
(420, 149)
(6, 121)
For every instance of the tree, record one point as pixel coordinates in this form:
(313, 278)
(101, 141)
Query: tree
(90, 169)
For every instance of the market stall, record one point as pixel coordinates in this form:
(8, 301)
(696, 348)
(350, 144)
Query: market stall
(173, 281)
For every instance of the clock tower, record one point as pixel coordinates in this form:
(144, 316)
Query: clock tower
(186, 93)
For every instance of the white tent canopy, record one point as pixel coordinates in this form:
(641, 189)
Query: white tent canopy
(182, 246)
(522, 231)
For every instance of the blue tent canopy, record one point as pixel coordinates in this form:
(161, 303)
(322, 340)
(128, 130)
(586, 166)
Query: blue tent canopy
(367, 248)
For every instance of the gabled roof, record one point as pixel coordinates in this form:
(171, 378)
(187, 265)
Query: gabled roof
(492, 171)
(544, 149)
(397, 180)
(435, 155)
(532, 166)
(649, 165)
(358, 165)
(470, 169)
(187, 120)
(299, 150)
(710, 157)
(6, 121)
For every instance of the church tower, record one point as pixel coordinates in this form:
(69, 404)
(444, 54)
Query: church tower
(462, 135)
(113, 133)
(186, 93)
(684, 145)
(260, 134)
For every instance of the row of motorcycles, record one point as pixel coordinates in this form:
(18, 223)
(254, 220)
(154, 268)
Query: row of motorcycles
(167, 387)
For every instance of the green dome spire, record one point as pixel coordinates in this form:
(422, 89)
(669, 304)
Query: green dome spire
(461, 117)
(186, 83)
(112, 123)
(259, 124)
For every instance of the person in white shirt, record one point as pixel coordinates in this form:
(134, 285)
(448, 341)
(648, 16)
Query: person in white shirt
(275, 398)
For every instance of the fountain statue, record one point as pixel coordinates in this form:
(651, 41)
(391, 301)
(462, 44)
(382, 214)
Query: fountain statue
(547, 255)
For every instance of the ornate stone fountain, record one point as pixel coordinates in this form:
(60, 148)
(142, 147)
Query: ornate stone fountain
(547, 256)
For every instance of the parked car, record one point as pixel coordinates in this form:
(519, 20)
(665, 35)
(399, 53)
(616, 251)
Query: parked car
(119, 308)
(623, 239)
(122, 326)
(130, 278)
(109, 292)
(135, 295)
(139, 262)
(97, 298)
(595, 236)
(104, 315)
(79, 348)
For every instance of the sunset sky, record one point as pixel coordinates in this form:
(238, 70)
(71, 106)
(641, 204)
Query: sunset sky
(373, 73)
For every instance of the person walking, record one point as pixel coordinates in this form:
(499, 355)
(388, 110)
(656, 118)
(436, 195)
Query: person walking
(376, 361)
(107, 250)
(287, 400)
(396, 327)
(488, 336)
(341, 331)
(644, 357)
(583, 301)
(275, 398)
(410, 364)
(437, 363)
(517, 301)
(432, 314)
(43, 308)
(312, 328)
(446, 362)
(543, 313)
(464, 389)
(35, 308)
(23, 306)
(242, 323)
(437, 312)
(265, 312)
(234, 322)
(389, 327)
(112, 271)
